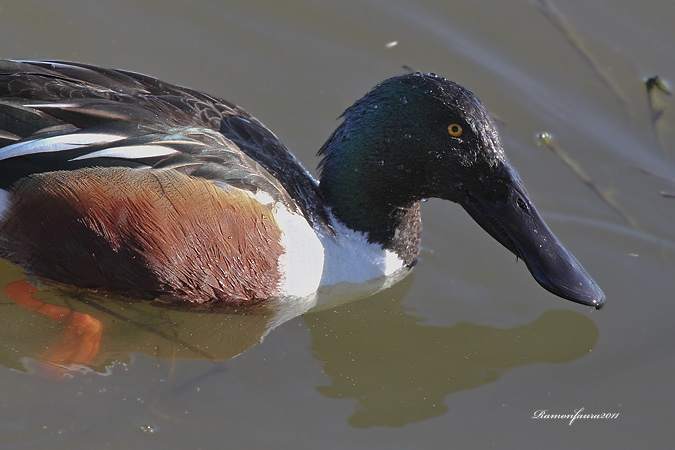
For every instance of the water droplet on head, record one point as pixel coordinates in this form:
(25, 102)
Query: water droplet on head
(408, 136)
(433, 74)
(404, 100)
(380, 163)
(418, 74)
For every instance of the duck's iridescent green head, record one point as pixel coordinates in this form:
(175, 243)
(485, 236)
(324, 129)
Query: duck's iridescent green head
(418, 136)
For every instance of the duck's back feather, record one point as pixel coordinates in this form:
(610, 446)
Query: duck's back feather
(68, 116)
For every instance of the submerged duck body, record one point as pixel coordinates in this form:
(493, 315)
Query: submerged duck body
(116, 181)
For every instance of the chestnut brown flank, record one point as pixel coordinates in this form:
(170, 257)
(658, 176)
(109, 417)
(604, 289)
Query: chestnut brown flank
(148, 234)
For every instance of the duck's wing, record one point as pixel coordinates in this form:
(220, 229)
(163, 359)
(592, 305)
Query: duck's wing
(67, 116)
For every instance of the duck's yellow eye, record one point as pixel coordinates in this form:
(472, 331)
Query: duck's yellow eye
(455, 130)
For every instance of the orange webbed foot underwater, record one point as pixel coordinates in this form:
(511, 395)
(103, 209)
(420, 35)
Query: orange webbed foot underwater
(81, 338)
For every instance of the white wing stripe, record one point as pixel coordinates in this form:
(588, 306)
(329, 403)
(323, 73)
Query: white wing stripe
(57, 144)
(51, 105)
(51, 64)
(129, 152)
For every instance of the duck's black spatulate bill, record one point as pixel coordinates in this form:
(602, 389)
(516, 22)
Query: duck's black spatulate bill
(512, 220)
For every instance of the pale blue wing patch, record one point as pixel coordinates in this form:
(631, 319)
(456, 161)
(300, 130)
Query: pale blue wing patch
(5, 202)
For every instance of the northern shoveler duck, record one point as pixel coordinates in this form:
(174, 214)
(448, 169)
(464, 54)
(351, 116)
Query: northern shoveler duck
(115, 181)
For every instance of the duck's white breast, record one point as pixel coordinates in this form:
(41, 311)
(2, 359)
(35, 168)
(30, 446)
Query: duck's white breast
(314, 260)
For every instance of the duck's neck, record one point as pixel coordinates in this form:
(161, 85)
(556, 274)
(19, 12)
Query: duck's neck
(370, 190)
(395, 228)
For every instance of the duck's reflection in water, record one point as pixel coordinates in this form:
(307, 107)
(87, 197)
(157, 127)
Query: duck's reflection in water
(396, 369)
(399, 370)
(71, 329)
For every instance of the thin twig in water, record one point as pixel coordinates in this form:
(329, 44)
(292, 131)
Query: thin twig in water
(656, 108)
(547, 140)
(556, 17)
(653, 174)
(662, 177)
